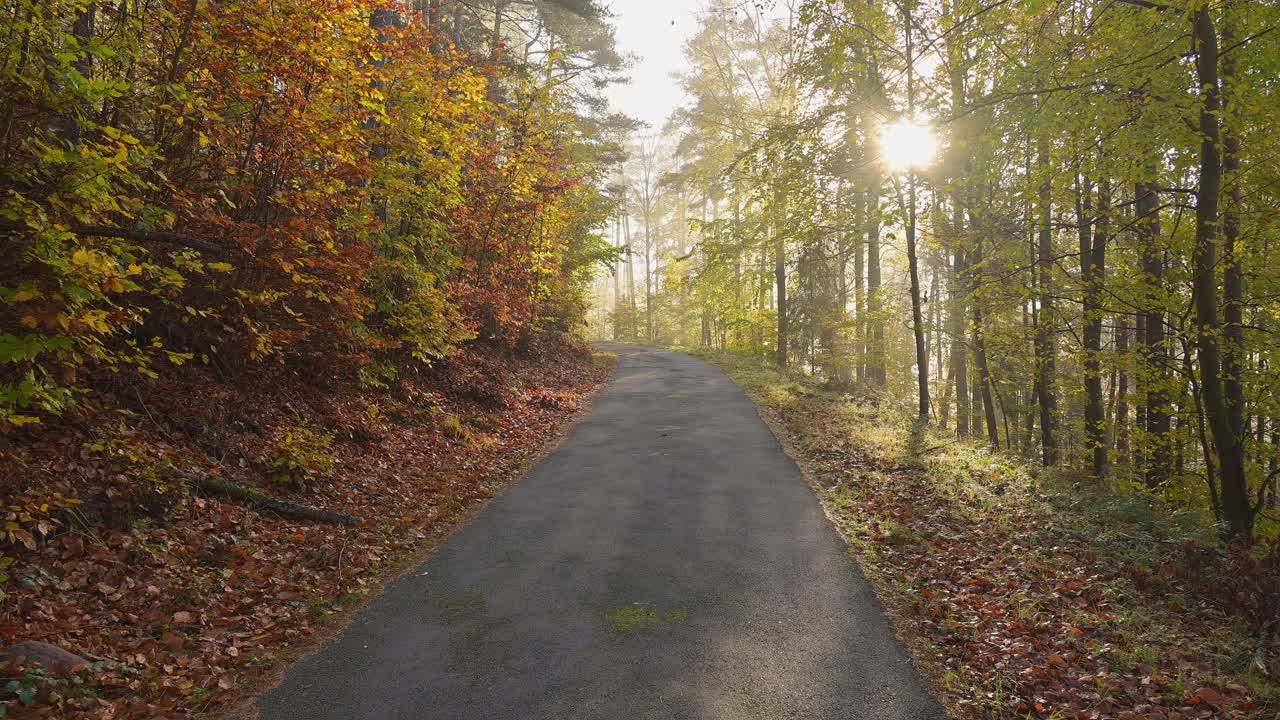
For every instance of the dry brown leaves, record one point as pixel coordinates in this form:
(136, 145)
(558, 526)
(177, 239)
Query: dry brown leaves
(1020, 617)
(180, 613)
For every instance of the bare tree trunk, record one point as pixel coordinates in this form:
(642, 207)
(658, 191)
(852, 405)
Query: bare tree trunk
(780, 268)
(976, 415)
(875, 352)
(859, 297)
(650, 335)
(959, 350)
(935, 334)
(980, 358)
(432, 18)
(631, 277)
(913, 263)
(495, 39)
(458, 36)
(617, 279)
(1045, 347)
(1234, 356)
(1120, 423)
(69, 128)
(1093, 247)
(843, 355)
(958, 289)
(1227, 445)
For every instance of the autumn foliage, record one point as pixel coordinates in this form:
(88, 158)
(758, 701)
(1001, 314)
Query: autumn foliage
(270, 243)
(241, 184)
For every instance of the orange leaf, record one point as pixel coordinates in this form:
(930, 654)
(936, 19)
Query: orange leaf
(1208, 696)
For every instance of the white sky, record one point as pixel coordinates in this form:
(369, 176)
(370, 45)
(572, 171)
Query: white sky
(655, 30)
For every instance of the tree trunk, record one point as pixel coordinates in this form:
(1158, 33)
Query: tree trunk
(1093, 244)
(913, 264)
(432, 19)
(259, 500)
(495, 39)
(980, 358)
(71, 131)
(875, 353)
(631, 277)
(959, 350)
(617, 279)
(917, 310)
(650, 335)
(935, 344)
(780, 269)
(458, 9)
(1234, 354)
(859, 298)
(1045, 347)
(961, 197)
(1228, 446)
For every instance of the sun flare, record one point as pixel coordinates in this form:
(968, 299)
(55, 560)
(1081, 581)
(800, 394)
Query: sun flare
(907, 144)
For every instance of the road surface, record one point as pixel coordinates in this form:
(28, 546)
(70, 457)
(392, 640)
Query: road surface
(666, 561)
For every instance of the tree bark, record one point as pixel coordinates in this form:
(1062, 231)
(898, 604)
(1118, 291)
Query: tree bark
(859, 297)
(780, 269)
(959, 349)
(259, 500)
(913, 263)
(875, 351)
(72, 131)
(917, 314)
(1093, 245)
(1234, 356)
(1045, 347)
(980, 358)
(1120, 422)
(1227, 445)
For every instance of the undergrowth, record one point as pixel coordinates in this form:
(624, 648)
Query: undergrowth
(1024, 592)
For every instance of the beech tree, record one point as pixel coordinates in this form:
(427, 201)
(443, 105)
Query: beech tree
(1086, 274)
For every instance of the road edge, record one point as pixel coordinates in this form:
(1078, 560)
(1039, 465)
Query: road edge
(247, 707)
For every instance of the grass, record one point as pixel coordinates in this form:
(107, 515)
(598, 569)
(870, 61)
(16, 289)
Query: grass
(629, 620)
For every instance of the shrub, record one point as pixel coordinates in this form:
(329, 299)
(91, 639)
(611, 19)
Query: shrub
(298, 455)
(138, 480)
(377, 376)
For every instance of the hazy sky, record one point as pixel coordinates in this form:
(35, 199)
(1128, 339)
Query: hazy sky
(656, 31)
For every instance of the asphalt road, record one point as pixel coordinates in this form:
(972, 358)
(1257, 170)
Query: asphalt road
(667, 561)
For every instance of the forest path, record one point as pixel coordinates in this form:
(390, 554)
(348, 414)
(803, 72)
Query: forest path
(667, 561)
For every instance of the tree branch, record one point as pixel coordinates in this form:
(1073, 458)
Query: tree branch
(152, 236)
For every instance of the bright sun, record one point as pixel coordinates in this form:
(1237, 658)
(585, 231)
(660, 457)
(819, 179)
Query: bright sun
(907, 144)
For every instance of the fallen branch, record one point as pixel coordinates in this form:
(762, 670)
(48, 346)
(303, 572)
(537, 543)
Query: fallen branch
(259, 500)
(155, 236)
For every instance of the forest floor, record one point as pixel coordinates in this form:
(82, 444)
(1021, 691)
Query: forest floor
(1021, 595)
(198, 604)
